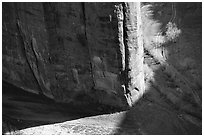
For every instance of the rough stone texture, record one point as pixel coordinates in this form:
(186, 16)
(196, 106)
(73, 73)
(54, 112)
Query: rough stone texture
(66, 49)
(21, 40)
(61, 49)
(134, 51)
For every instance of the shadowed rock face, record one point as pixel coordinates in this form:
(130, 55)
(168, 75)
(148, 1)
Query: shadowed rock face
(61, 49)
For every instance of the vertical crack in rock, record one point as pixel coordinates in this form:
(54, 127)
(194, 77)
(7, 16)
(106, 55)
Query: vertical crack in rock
(122, 51)
(55, 45)
(133, 52)
(87, 43)
(120, 18)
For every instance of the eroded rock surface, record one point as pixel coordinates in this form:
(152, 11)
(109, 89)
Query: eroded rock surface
(69, 50)
(52, 48)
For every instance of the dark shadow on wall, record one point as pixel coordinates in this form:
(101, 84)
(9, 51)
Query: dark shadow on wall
(168, 107)
(22, 109)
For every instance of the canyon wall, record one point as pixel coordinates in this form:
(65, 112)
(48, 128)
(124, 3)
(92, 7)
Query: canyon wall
(64, 50)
